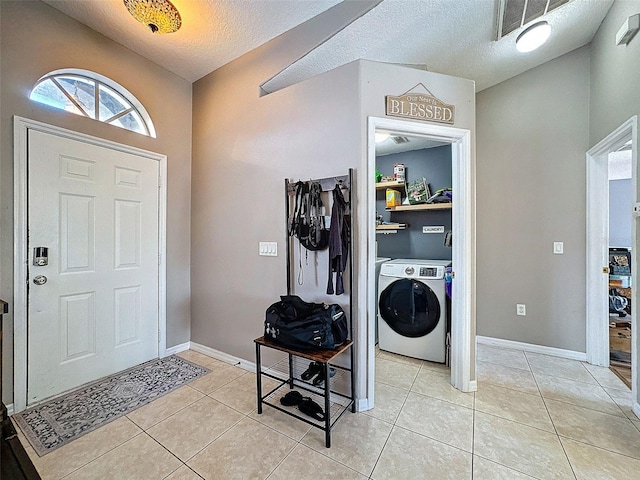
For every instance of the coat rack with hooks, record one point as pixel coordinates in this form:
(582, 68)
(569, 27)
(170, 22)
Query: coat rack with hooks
(335, 403)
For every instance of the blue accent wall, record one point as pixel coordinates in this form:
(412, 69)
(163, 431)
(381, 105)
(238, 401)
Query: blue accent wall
(434, 164)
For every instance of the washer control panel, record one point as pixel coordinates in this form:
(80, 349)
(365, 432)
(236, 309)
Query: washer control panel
(429, 269)
(430, 272)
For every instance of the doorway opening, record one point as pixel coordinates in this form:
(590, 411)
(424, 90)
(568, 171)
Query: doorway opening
(598, 261)
(462, 247)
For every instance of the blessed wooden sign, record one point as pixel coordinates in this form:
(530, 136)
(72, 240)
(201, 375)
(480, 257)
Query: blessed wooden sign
(421, 104)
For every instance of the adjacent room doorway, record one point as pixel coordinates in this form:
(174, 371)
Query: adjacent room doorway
(597, 261)
(463, 248)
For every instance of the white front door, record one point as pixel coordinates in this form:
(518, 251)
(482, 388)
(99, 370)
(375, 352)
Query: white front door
(96, 211)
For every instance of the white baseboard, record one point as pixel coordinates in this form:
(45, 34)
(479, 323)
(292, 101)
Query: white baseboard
(224, 357)
(635, 407)
(183, 347)
(10, 409)
(530, 347)
(473, 386)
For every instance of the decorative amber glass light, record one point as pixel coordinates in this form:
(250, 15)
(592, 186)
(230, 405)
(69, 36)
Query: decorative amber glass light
(159, 15)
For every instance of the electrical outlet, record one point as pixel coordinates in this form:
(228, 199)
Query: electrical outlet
(521, 309)
(558, 248)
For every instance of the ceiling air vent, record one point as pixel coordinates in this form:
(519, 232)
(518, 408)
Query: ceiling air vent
(400, 140)
(513, 14)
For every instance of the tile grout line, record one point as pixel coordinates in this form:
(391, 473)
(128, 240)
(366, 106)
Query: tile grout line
(544, 402)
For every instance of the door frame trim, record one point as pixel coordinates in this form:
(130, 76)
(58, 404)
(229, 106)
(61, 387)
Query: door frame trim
(21, 127)
(597, 240)
(463, 251)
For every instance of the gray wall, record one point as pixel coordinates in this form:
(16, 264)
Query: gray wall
(36, 39)
(244, 147)
(434, 164)
(615, 72)
(533, 132)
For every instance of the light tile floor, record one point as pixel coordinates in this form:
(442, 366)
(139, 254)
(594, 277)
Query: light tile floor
(533, 416)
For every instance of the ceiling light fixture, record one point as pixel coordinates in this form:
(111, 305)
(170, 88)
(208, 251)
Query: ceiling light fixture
(159, 15)
(533, 37)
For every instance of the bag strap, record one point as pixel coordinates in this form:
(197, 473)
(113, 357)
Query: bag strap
(316, 219)
(299, 207)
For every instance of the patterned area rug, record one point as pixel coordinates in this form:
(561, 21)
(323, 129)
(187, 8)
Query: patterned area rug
(59, 421)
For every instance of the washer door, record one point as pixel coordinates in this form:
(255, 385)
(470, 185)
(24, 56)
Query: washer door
(410, 308)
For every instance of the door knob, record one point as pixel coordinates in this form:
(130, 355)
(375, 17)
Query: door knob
(39, 279)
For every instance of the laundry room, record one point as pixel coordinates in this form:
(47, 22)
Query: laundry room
(413, 246)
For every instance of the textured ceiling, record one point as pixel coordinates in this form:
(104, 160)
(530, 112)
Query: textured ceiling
(456, 37)
(213, 32)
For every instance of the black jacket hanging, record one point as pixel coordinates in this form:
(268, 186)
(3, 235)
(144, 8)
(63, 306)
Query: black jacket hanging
(338, 242)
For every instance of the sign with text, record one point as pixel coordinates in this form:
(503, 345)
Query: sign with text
(419, 103)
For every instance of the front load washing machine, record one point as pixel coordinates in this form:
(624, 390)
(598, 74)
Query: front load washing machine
(412, 308)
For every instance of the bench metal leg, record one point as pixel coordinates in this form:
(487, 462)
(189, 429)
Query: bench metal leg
(327, 405)
(258, 378)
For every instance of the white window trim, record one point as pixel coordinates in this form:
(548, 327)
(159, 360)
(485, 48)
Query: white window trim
(101, 79)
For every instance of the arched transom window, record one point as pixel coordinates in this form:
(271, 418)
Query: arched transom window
(92, 95)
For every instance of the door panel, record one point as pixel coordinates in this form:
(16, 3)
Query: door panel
(96, 209)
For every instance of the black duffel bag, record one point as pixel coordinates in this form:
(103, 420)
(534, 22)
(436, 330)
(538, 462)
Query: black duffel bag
(296, 324)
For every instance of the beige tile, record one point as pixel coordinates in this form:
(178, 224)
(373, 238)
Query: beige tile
(83, 450)
(605, 377)
(394, 357)
(587, 395)
(307, 464)
(595, 428)
(513, 405)
(502, 356)
(184, 473)
(623, 400)
(388, 402)
(140, 458)
(194, 427)
(356, 441)
(437, 383)
(396, 374)
(408, 455)
(526, 449)
(559, 367)
(248, 450)
(484, 469)
(165, 406)
(443, 421)
(591, 463)
(437, 367)
(240, 394)
(514, 378)
(218, 377)
(281, 422)
(201, 359)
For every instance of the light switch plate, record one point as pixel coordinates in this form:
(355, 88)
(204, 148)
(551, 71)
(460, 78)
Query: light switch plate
(268, 249)
(558, 248)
